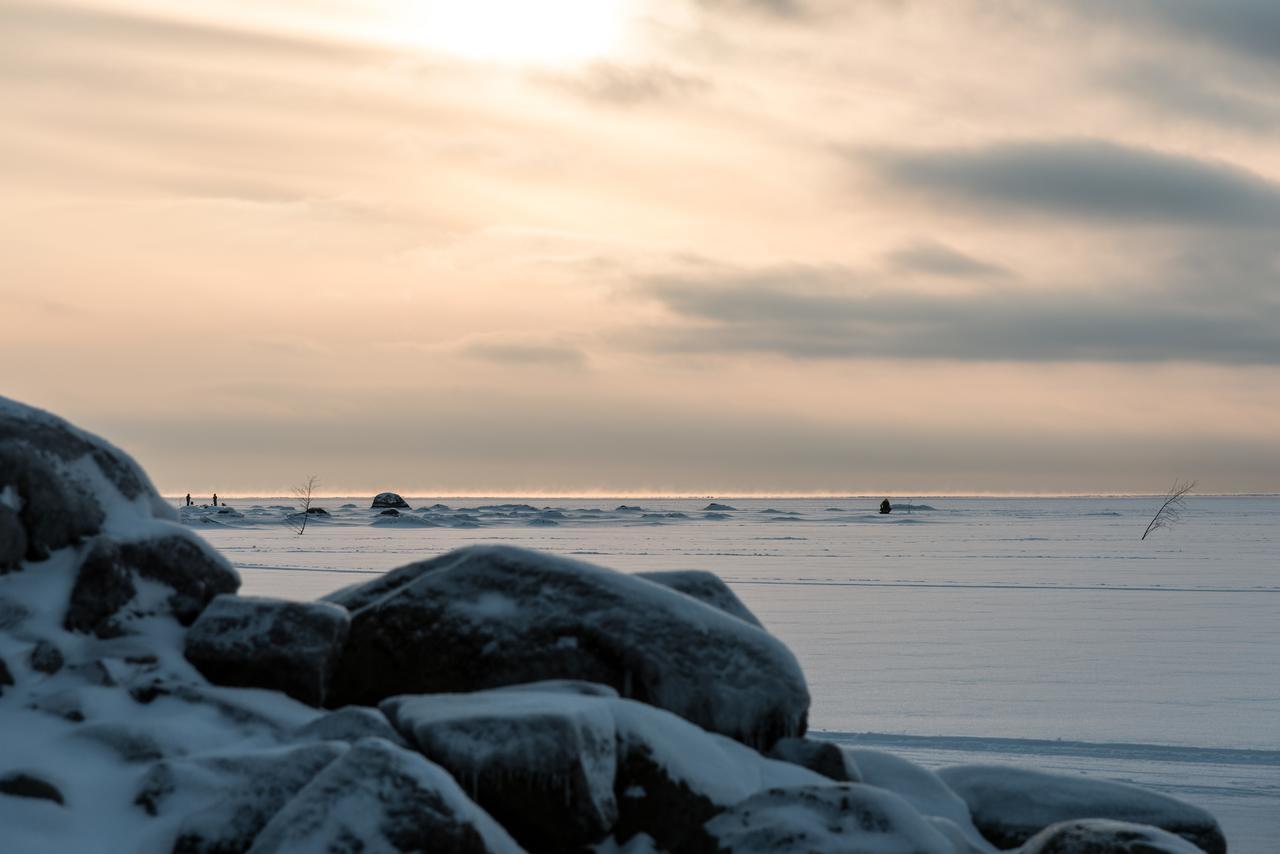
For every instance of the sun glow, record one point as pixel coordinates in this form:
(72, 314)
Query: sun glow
(522, 31)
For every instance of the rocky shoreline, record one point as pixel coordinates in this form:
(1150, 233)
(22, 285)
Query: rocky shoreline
(490, 699)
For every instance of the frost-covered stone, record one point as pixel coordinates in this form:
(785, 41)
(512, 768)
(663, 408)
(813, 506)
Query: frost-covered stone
(542, 763)
(388, 499)
(821, 757)
(1010, 805)
(1101, 836)
(381, 799)
(487, 616)
(13, 539)
(927, 793)
(106, 590)
(269, 643)
(705, 587)
(45, 657)
(222, 802)
(350, 724)
(839, 818)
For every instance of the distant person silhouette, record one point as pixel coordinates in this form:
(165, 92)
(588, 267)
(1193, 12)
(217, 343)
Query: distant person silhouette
(188, 499)
(215, 499)
(885, 507)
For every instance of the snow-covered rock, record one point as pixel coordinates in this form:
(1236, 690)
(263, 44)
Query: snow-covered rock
(1101, 836)
(388, 499)
(1010, 805)
(269, 643)
(927, 793)
(382, 799)
(543, 764)
(705, 587)
(821, 757)
(561, 766)
(843, 818)
(349, 724)
(487, 616)
(220, 803)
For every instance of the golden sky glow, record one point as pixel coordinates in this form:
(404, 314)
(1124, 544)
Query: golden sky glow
(649, 245)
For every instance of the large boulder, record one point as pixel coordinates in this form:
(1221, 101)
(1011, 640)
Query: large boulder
(705, 587)
(1100, 836)
(269, 643)
(487, 616)
(381, 799)
(542, 763)
(388, 500)
(1010, 805)
(844, 818)
(927, 793)
(821, 757)
(562, 764)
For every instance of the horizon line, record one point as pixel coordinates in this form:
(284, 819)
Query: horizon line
(749, 496)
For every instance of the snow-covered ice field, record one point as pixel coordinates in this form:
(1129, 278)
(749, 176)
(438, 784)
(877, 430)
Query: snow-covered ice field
(1036, 632)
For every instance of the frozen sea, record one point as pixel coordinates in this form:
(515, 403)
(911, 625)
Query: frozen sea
(1025, 631)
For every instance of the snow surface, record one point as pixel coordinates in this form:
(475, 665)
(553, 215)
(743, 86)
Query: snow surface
(1036, 632)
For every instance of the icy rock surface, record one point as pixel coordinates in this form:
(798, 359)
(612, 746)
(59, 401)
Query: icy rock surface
(269, 643)
(487, 616)
(350, 724)
(381, 799)
(846, 818)
(1010, 805)
(388, 500)
(705, 587)
(559, 765)
(542, 764)
(1100, 836)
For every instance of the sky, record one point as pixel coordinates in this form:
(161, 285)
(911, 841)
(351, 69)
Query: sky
(649, 246)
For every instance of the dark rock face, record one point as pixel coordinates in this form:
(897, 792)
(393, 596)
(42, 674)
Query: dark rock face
(56, 512)
(1010, 805)
(1099, 836)
(22, 785)
(542, 764)
(390, 511)
(380, 798)
(821, 757)
(705, 587)
(269, 643)
(484, 617)
(845, 818)
(718, 507)
(388, 499)
(46, 658)
(106, 584)
(13, 540)
(317, 511)
(6, 677)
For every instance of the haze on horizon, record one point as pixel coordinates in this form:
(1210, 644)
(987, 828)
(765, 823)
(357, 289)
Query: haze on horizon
(649, 246)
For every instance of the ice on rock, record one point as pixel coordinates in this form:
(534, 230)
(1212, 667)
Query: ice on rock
(381, 799)
(844, 818)
(415, 630)
(821, 757)
(549, 763)
(350, 724)
(1010, 805)
(542, 763)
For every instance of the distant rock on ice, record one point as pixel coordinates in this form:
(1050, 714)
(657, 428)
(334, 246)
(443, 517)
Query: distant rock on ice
(388, 499)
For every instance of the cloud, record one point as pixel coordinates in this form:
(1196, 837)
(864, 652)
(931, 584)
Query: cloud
(931, 257)
(1090, 179)
(826, 313)
(516, 352)
(1176, 91)
(627, 86)
(1245, 27)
